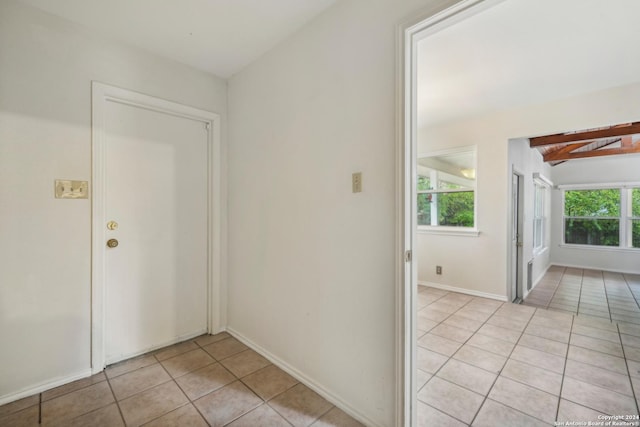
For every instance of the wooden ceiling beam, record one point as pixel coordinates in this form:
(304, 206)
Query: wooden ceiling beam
(554, 155)
(562, 138)
(599, 153)
(626, 141)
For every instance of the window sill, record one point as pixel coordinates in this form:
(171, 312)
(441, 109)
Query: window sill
(449, 231)
(599, 248)
(537, 253)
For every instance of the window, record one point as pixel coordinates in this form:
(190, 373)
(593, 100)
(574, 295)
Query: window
(634, 218)
(602, 217)
(446, 187)
(540, 215)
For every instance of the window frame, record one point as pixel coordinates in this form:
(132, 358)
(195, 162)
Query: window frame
(448, 229)
(628, 217)
(625, 218)
(542, 194)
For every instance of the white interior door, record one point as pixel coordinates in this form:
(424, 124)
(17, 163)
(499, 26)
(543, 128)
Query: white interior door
(155, 189)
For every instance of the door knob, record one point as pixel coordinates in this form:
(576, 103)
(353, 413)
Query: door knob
(112, 243)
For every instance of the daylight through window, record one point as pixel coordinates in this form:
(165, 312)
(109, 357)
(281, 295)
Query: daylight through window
(602, 217)
(540, 216)
(446, 187)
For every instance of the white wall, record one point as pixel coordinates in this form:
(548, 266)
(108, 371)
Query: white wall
(46, 69)
(480, 263)
(311, 265)
(592, 171)
(527, 162)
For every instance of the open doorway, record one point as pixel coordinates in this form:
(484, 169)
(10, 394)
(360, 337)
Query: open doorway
(487, 80)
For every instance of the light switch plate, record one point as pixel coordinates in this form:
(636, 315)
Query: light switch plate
(66, 189)
(356, 182)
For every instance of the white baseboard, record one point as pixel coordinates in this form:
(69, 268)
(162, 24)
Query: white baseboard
(538, 279)
(463, 290)
(175, 340)
(590, 267)
(49, 384)
(304, 379)
(44, 386)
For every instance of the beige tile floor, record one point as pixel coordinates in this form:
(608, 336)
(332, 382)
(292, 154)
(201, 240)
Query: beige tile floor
(482, 362)
(212, 380)
(604, 294)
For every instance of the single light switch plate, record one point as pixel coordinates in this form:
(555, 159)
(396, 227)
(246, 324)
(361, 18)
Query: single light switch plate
(72, 189)
(356, 182)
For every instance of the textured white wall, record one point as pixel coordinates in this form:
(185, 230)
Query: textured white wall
(47, 66)
(479, 263)
(528, 161)
(311, 265)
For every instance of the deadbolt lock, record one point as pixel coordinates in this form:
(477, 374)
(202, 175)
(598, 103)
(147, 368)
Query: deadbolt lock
(112, 243)
(112, 225)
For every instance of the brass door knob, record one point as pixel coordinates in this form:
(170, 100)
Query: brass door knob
(112, 243)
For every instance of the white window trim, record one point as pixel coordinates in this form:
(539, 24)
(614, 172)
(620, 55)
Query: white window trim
(448, 230)
(624, 242)
(599, 248)
(598, 186)
(540, 180)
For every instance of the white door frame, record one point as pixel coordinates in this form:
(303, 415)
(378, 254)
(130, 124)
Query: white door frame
(101, 95)
(419, 26)
(516, 223)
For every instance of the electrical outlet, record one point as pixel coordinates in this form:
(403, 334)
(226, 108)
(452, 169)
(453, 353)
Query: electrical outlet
(356, 182)
(438, 269)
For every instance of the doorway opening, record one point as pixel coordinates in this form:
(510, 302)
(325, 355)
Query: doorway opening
(429, 23)
(503, 97)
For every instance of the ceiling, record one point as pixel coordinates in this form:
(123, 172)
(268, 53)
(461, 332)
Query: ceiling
(217, 36)
(523, 52)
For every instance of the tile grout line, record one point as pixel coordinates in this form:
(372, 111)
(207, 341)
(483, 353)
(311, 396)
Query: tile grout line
(573, 312)
(188, 398)
(155, 360)
(629, 287)
(451, 357)
(264, 402)
(171, 379)
(564, 368)
(501, 369)
(606, 296)
(555, 291)
(115, 399)
(486, 396)
(190, 402)
(626, 362)
(574, 318)
(579, 295)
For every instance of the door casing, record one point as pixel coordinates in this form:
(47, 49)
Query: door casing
(422, 24)
(101, 95)
(516, 254)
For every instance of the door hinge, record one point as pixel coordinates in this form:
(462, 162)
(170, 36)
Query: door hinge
(407, 256)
